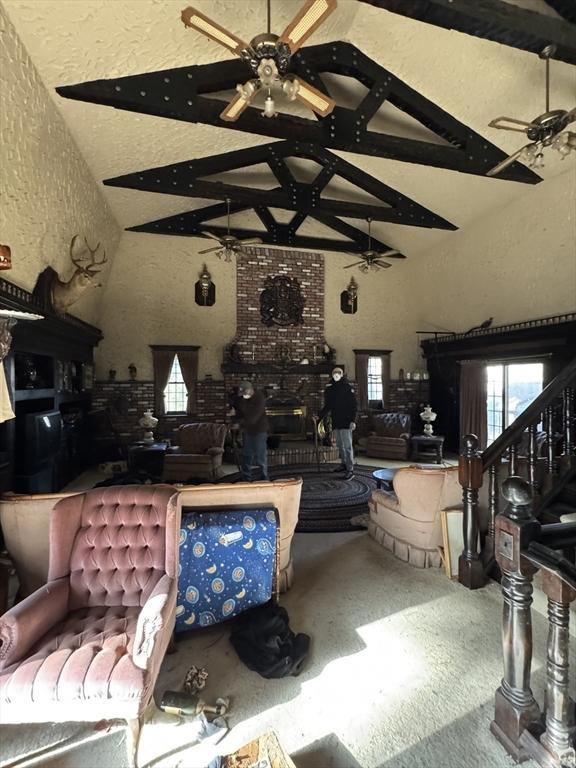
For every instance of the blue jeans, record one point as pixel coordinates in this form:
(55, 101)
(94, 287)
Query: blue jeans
(344, 445)
(254, 452)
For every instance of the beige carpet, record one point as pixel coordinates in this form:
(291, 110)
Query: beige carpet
(402, 672)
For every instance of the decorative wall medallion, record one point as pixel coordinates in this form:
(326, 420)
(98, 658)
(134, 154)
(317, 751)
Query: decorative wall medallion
(281, 302)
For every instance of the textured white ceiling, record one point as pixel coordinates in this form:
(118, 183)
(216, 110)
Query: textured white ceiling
(475, 80)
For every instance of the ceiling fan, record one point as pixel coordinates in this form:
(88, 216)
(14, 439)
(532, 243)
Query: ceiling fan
(371, 260)
(228, 244)
(545, 130)
(268, 56)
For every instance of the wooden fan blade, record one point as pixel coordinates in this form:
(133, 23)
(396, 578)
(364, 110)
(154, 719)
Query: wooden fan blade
(251, 241)
(392, 254)
(506, 162)
(193, 18)
(236, 107)
(211, 234)
(210, 250)
(500, 122)
(383, 264)
(571, 116)
(356, 263)
(314, 99)
(307, 20)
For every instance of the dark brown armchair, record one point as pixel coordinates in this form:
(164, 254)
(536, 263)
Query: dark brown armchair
(198, 454)
(389, 436)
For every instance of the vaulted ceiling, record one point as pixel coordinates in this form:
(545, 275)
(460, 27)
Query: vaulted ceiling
(468, 79)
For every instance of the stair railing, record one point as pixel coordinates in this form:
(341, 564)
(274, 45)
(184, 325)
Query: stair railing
(475, 565)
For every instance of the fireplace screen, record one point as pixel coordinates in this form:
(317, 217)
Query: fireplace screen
(286, 416)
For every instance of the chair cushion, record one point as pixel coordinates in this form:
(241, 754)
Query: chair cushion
(87, 656)
(197, 438)
(391, 424)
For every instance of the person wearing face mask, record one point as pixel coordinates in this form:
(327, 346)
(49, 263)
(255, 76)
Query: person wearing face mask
(340, 403)
(251, 410)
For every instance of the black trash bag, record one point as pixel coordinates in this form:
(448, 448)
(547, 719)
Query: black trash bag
(264, 641)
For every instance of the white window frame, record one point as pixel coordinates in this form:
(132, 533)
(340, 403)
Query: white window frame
(175, 391)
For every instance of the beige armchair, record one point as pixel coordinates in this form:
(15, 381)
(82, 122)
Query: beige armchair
(198, 454)
(407, 521)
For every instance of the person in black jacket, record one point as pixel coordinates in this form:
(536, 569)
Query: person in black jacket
(251, 410)
(340, 403)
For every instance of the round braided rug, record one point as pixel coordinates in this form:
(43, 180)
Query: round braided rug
(328, 501)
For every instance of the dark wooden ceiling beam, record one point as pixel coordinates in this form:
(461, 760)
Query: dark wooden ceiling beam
(495, 20)
(191, 224)
(179, 94)
(192, 179)
(566, 9)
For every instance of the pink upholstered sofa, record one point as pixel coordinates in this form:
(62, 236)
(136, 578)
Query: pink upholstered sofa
(89, 643)
(407, 521)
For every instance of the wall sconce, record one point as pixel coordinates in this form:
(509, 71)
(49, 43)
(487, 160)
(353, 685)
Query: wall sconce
(205, 290)
(5, 257)
(349, 298)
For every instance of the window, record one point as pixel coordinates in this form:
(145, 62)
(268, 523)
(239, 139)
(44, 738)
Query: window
(511, 387)
(175, 393)
(375, 378)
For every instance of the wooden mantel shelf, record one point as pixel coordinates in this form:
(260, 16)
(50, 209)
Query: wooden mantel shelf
(281, 369)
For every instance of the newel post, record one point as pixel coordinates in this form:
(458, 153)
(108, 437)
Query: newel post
(515, 707)
(470, 568)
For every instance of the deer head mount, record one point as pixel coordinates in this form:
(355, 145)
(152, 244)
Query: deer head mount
(64, 294)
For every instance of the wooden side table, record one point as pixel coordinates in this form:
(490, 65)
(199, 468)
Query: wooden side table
(427, 446)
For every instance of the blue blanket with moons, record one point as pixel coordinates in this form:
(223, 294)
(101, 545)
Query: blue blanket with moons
(226, 564)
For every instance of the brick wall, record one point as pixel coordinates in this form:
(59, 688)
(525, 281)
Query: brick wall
(255, 341)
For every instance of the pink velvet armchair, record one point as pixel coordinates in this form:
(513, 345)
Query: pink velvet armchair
(198, 454)
(88, 644)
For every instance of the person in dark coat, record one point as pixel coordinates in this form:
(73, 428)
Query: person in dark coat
(251, 411)
(340, 403)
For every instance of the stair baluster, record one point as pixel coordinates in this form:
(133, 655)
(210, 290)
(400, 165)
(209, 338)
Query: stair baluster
(568, 421)
(551, 463)
(516, 709)
(559, 730)
(532, 457)
(513, 460)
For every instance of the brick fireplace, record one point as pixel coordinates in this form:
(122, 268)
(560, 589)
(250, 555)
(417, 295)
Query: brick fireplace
(287, 362)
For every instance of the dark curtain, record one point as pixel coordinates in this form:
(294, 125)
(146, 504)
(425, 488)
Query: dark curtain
(362, 380)
(473, 393)
(162, 363)
(385, 379)
(189, 366)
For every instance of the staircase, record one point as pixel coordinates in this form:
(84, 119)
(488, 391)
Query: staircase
(535, 532)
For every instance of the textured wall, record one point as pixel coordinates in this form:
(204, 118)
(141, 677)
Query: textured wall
(519, 263)
(47, 191)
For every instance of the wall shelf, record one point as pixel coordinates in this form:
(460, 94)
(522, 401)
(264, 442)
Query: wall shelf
(33, 394)
(277, 368)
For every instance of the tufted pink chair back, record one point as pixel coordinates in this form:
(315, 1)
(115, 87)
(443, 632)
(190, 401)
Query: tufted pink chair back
(198, 437)
(114, 543)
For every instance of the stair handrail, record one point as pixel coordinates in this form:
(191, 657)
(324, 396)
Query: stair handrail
(529, 416)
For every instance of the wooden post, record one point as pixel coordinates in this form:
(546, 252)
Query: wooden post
(470, 568)
(559, 707)
(515, 706)
(532, 458)
(488, 559)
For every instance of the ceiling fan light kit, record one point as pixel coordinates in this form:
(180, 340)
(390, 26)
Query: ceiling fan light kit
(371, 261)
(268, 56)
(228, 244)
(546, 130)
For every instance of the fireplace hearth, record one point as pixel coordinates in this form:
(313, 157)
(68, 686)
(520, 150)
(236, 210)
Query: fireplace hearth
(286, 415)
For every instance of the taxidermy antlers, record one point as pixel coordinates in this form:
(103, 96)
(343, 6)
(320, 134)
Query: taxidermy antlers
(64, 294)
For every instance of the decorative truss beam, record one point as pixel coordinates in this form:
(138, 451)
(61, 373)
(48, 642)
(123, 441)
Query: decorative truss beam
(566, 8)
(496, 20)
(191, 224)
(306, 198)
(178, 94)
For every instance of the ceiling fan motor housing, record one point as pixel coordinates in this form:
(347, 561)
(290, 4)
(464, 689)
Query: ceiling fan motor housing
(267, 46)
(546, 126)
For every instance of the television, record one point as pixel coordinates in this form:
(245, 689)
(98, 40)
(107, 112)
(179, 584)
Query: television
(42, 435)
